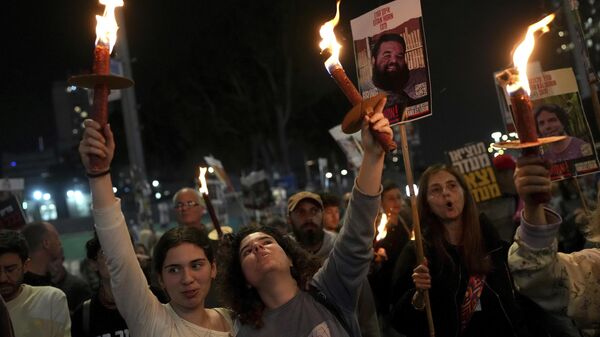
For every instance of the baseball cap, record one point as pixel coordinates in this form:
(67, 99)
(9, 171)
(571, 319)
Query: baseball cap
(296, 198)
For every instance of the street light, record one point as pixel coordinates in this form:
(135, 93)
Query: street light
(328, 175)
(37, 195)
(496, 136)
(155, 183)
(344, 172)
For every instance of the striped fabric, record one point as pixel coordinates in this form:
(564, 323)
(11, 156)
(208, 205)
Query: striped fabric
(472, 295)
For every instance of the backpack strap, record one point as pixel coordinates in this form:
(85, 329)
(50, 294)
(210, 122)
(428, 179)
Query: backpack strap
(86, 316)
(320, 297)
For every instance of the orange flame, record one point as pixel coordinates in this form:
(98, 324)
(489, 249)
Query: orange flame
(106, 26)
(329, 40)
(381, 229)
(524, 50)
(202, 180)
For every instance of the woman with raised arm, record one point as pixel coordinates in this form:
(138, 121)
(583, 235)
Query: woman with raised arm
(272, 285)
(182, 258)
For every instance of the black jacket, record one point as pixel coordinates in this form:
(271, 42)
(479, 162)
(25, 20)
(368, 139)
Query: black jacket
(501, 311)
(381, 277)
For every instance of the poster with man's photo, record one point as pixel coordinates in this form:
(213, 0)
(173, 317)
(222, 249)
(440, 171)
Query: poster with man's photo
(391, 58)
(558, 111)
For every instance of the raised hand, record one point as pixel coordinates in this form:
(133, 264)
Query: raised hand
(377, 122)
(99, 142)
(532, 176)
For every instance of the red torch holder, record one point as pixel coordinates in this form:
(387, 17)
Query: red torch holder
(102, 82)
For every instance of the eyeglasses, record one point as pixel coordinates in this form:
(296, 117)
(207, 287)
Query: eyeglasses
(187, 204)
(301, 212)
(437, 190)
(11, 271)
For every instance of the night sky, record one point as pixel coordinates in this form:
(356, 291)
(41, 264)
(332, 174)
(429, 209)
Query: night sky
(209, 75)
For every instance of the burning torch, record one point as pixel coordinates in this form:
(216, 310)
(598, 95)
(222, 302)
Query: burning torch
(353, 119)
(101, 80)
(517, 86)
(381, 228)
(381, 233)
(219, 230)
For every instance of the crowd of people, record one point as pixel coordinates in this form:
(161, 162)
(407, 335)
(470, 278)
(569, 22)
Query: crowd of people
(498, 271)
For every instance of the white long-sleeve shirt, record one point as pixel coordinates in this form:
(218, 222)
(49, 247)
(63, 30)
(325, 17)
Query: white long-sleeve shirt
(144, 314)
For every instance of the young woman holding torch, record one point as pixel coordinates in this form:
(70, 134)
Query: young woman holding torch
(272, 285)
(470, 286)
(182, 258)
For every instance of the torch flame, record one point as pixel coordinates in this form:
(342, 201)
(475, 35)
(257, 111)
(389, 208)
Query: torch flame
(202, 179)
(106, 26)
(524, 50)
(381, 229)
(329, 40)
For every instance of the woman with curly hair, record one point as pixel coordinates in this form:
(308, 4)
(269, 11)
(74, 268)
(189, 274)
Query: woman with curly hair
(267, 279)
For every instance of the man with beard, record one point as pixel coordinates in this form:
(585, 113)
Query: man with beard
(551, 120)
(305, 215)
(34, 311)
(391, 73)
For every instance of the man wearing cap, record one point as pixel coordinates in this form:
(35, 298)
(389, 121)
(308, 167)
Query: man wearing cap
(305, 215)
